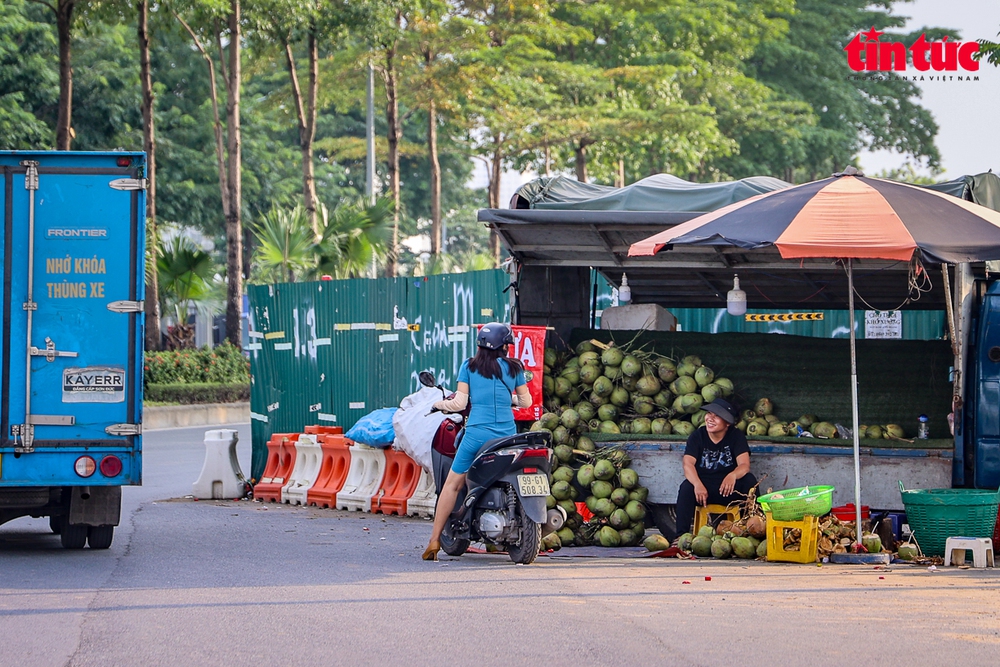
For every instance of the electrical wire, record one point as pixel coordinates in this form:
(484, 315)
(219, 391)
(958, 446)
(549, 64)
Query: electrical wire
(918, 283)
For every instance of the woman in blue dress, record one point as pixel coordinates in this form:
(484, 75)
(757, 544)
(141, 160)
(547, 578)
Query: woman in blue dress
(489, 379)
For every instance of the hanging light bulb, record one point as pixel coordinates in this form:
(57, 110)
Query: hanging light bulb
(736, 299)
(624, 292)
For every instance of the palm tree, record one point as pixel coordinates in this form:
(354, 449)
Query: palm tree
(354, 236)
(286, 246)
(185, 273)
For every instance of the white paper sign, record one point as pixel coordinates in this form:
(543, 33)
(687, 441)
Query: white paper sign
(883, 324)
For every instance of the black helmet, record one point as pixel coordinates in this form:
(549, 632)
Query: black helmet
(494, 336)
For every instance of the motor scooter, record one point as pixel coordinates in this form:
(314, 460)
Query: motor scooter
(503, 502)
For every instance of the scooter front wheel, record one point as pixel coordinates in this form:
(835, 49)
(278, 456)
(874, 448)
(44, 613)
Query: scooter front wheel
(453, 546)
(526, 550)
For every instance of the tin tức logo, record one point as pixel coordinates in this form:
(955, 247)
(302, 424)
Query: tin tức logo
(866, 53)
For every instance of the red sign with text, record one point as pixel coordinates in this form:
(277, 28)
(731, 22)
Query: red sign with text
(529, 349)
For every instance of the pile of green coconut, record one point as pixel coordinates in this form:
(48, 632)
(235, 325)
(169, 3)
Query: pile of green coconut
(607, 389)
(602, 479)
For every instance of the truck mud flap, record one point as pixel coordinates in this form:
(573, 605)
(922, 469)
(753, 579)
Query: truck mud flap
(24, 497)
(95, 505)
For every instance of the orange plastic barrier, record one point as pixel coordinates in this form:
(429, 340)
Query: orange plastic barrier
(332, 470)
(280, 462)
(402, 474)
(319, 429)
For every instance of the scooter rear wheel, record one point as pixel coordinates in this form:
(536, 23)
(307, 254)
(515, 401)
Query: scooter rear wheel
(451, 545)
(526, 551)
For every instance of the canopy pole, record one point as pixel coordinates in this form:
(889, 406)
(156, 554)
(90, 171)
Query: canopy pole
(854, 404)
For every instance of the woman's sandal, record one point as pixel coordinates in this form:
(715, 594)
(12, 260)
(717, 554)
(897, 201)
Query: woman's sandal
(431, 552)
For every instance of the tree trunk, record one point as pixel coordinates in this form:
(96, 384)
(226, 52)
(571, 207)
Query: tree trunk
(64, 121)
(548, 160)
(306, 115)
(581, 162)
(432, 148)
(149, 145)
(234, 231)
(392, 120)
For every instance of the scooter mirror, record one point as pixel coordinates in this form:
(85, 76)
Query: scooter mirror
(427, 379)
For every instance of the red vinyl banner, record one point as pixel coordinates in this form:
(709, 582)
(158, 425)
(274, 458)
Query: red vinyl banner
(529, 349)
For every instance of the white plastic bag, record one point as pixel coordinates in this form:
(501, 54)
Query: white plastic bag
(415, 428)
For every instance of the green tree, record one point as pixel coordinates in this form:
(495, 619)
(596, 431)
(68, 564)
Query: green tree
(28, 84)
(185, 276)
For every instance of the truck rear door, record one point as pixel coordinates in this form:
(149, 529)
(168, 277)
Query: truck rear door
(72, 311)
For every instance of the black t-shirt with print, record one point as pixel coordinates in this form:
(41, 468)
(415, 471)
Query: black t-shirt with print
(716, 460)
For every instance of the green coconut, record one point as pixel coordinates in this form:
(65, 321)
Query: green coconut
(666, 370)
(619, 396)
(613, 373)
(589, 374)
(620, 497)
(726, 384)
(619, 519)
(691, 403)
(585, 475)
(806, 420)
(763, 407)
(584, 346)
(704, 376)
(873, 543)
(701, 546)
(683, 428)
(589, 357)
(631, 366)
(656, 543)
(551, 542)
(550, 356)
(757, 427)
(549, 420)
(684, 541)
(609, 427)
(604, 507)
(687, 369)
(663, 399)
(550, 502)
(607, 412)
(711, 391)
(563, 387)
(895, 431)
(762, 549)
(777, 430)
(612, 356)
(639, 493)
(874, 432)
(772, 419)
(706, 531)
(683, 385)
(609, 537)
(563, 474)
(698, 419)
(636, 510)
(741, 426)
(743, 548)
(571, 374)
(591, 502)
(585, 410)
(648, 385)
(722, 549)
(548, 385)
(585, 444)
(564, 452)
(629, 537)
(603, 386)
(660, 426)
(825, 430)
(604, 470)
(561, 490)
(600, 489)
(642, 426)
(566, 536)
(570, 418)
(643, 405)
(908, 551)
(629, 478)
(693, 359)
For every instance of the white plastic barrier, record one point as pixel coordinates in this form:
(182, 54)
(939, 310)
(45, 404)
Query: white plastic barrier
(363, 479)
(424, 499)
(221, 476)
(308, 457)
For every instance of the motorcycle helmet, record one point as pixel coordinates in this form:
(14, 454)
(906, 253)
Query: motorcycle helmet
(494, 336)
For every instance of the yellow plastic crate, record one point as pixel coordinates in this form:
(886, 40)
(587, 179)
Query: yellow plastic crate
(809, 525)
(703, 515)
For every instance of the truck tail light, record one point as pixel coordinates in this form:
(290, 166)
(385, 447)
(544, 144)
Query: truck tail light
(124, 161)
(111, 466)
(85, 466)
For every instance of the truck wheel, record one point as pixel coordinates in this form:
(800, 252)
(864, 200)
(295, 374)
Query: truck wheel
(55, 524)
(100, 537)
(73, 536)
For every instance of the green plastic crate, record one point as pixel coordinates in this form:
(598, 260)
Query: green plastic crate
(792, 506)
(935, 515)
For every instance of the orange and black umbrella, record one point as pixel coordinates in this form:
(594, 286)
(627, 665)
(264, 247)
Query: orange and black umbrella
(846, 216)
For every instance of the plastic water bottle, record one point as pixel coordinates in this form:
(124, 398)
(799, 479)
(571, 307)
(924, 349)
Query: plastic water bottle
(923, 428)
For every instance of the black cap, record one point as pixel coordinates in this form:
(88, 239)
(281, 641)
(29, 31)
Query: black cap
(724, 409)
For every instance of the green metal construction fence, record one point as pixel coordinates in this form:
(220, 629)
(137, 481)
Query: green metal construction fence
(329, 352)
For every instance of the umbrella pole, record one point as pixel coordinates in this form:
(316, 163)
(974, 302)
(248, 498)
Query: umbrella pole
(854, 405)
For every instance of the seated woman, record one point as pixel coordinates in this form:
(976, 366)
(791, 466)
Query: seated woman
(716, 464)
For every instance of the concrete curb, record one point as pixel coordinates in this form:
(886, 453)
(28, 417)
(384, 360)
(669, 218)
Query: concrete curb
(174, 416)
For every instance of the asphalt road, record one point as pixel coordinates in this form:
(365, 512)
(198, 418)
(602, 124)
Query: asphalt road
(236, 583)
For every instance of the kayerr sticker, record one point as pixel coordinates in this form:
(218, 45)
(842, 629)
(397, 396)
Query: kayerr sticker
(94, 384)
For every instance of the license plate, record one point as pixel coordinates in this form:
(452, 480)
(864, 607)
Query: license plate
(533, 485)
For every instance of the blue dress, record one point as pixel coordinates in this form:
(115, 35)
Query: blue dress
(491, 416)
